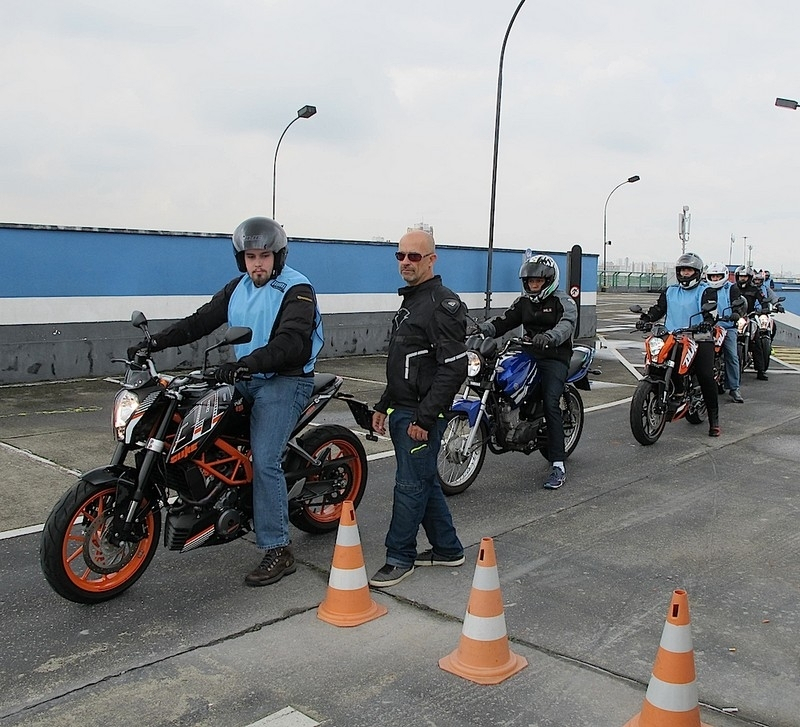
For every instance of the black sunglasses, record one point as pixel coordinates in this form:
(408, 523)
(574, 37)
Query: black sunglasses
(414, 257)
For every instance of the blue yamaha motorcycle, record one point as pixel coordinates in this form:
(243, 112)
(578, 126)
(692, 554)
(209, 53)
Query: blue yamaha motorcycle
(500, 408)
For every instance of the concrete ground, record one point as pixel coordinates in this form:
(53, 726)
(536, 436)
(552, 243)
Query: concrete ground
(586, 575)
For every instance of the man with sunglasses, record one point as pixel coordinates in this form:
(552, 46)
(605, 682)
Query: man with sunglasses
(426, 365)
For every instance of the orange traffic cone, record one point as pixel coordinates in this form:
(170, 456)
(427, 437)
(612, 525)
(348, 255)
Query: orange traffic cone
(671, 699)
(483, 655)
(348, 602)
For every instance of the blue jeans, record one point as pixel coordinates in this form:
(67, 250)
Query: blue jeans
(554, 377)
(418, 497)
(731, 355)
(276, 404)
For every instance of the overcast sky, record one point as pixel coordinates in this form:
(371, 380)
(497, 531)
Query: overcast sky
(165, 115)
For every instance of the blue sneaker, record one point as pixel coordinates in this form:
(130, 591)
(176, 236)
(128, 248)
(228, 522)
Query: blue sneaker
(556, 479)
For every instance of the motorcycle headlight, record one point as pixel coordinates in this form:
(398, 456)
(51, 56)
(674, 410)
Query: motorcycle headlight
(125, 404)
(654, 345)
(474, 364)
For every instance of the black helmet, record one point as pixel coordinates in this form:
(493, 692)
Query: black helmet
(539, 266)
(746, 272)
(260, 233)
(689, 260)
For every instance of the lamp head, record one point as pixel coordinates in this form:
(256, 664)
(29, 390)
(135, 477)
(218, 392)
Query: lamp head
(634, 178)
(306, 112)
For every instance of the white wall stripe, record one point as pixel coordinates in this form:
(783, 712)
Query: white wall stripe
(347, 535)
(484, 628)
(348, 580)
(486, 579)
(677, 639)
(672, 697)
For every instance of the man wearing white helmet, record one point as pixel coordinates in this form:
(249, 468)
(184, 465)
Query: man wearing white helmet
(548, 316)
(730, 303)
(679, 305)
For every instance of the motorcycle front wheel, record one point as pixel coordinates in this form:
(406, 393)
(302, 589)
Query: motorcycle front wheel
(77, 555)
(458, 470)
(646, 416)
(343, 477)
(572, 416)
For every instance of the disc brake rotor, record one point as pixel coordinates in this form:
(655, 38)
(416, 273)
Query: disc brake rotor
(99, 554)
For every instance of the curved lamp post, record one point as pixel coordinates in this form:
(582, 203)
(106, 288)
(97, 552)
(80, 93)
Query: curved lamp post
(607, 242)
(786, 103)
(494, 163)
(304, 113)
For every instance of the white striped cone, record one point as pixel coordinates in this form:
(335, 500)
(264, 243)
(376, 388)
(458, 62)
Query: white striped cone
(483, 655)
(348, 601)
(671, 699)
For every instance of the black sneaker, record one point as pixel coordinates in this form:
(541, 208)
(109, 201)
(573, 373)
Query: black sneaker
(428, 557)
(761, 376)
(390, 575)
(736, 395)
(556, 479)
(276, 563)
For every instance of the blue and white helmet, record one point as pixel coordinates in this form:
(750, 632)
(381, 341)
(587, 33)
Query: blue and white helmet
(539, 266)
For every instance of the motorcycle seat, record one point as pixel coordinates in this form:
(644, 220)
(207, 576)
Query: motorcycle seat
(323, 381)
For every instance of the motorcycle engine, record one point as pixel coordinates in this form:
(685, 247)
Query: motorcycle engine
(519, 434)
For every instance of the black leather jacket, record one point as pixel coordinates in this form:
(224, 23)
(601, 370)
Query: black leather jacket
(427, 359)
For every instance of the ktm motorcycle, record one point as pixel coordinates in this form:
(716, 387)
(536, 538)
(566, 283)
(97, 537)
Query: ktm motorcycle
(183, 459)
(669, 390)
(500, 408)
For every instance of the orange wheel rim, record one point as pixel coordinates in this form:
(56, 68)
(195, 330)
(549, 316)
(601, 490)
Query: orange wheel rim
(87, 530)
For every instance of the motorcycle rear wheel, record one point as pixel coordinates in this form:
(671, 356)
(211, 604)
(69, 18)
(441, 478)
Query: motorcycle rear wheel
(456, 471)
(572, 415)
(76, 554)
(346, 466)
(647, 422)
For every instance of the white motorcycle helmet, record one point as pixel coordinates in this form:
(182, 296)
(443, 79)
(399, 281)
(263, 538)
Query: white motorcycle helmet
(717, 275)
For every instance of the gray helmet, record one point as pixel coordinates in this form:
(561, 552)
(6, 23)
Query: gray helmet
(539, 266)
(689, 260)
(260, 233)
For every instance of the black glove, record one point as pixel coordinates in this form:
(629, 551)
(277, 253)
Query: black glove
(780, 309)
(486, 328)
(642, 325)
(133, 350)
(541, 340)
(230, 372)
(704, 327)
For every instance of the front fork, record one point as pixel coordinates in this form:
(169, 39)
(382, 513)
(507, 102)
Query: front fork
(466, 448)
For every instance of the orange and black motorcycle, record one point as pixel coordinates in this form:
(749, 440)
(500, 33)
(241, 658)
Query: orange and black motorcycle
(669, 389)
(183, 457)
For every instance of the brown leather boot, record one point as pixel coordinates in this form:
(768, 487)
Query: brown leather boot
(276, 563)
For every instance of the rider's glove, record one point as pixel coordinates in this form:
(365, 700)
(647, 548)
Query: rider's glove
(541, 340)
(230, 372)
(704, 327)
(642, 325)
(487, 328)
(780, 309)
(133, 350)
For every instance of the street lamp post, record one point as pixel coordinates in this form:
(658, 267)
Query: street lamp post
(304, 113)
(488, 304)
(606, 241)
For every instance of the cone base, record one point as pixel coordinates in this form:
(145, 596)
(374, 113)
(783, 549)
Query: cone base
(373, 611)
(483, 674)
(636, 722)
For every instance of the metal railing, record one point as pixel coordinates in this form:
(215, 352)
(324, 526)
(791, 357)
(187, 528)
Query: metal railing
(621, 280)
